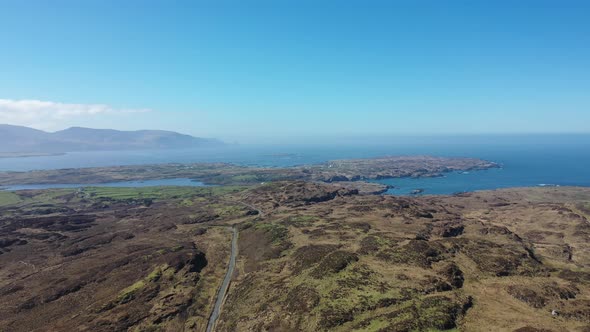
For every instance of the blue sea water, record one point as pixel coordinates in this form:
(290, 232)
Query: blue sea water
(526, 160)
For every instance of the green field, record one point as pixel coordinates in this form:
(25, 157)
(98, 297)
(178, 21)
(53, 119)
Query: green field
(9, 198)
(54, 196)
(158, 192)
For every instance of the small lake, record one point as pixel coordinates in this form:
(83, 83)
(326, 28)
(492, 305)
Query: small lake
(122, 184)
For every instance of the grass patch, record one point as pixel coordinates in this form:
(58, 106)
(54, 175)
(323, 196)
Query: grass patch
(245, 178)
(9, 198)
(278, 233)
(129, 293)
(584, 207)
(301, 221)
(375, 325)
(186, 202)
(156, 274)
(227, 210)
(165, 192)
(53, 196)
(303, 218)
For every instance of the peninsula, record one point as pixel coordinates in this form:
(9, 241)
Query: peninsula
(230, 174)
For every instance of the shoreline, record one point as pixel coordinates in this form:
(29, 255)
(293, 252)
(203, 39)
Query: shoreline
(351, 170)
(5, 155)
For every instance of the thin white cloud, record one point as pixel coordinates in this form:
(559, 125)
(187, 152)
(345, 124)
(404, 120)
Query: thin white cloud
(49, 115)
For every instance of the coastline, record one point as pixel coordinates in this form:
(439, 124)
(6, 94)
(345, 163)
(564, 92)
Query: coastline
(351, 170)
(29, 154)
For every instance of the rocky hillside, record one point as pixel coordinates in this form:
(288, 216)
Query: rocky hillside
(486, 261)
(311, 257)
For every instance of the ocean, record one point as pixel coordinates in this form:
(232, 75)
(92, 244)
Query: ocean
(536, 160)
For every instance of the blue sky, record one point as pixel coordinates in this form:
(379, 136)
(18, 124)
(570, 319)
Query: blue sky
(264, 70)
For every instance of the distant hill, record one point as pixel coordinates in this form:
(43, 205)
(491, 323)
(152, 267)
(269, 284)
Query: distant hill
(24, 139)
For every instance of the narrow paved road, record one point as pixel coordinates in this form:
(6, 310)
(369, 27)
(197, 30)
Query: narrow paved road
(225, 285)
(250, 206)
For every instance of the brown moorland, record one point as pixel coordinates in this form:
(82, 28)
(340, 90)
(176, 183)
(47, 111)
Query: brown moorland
(312, 256)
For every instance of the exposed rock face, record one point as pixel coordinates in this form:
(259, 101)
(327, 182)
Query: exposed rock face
(453, 275)
(201, 217)
(334, 263)
(302, 298)
(293, 194)
(308, 256)
(448, 228)
(531, 329)
(527, 295)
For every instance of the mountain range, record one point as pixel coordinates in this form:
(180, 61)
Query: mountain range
(24, 139)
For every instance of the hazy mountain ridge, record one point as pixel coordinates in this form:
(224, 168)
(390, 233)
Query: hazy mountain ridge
(24, 139)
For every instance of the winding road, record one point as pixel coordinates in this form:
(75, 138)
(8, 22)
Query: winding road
(225, 285)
